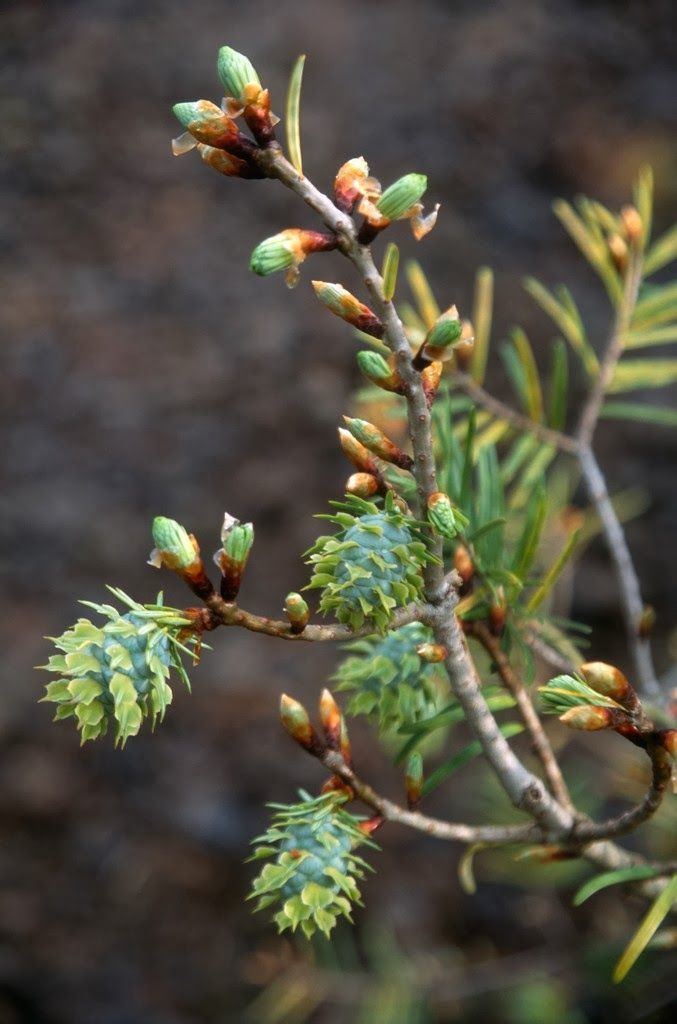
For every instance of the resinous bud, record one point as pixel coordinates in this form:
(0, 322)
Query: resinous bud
(376, 369)
(363, 485)
(175, 548)
(207, 123)
(226, 163)
(331, 717)
(413, 780)
(587, 717)
(632, 223)
(447, 520)
(432, 653)
(236, 73)
(399, 198)
(297, 611)
(295, 720)
(360, 456)
(430, 379)
(352, 182)
(343, 303)
(606, 679)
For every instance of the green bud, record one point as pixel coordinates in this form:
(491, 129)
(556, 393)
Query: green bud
(236, 72)
(376, 441)
(297, 611)
(295, 720)
(446, 330)
(273, 254)
(398, 198)
(175, 547)
(238, 542)
(447, 520)
(376, 369)
(343, 303)
(413, 779)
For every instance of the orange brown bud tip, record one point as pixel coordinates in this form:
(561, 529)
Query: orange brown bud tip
(588, 718)
(360, 457)
(618, 249)
(413, 780)
(444, 516)
(352, 183)
(371, 824)
(463, 563)
(363, 485)
(287, 250)
(432, 653)
(295, 720)
(227, 163)
(376, 442)
(379, 372)
(335, 784)
(609, 681)
(343, 303)
(430, 379)
(632, 223)
(297, 611)
(668, 739)
(330, 716)
(546, 854)
(647, 621)
(344, 744)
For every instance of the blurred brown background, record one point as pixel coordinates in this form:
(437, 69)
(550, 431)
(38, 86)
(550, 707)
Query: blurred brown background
(146, 371)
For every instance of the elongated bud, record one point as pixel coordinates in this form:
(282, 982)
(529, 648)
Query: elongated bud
(668, 739)
(357, 453)
(546, 854)
(295, 720)
(287, 250)
(632, 222)
(447, 520)
(464, 565)
(178, 550)
(352, 182)
(432, 653)
(430, 379)
(413, 780)
(498, 613)
(363, 485)
(236, 73)
(609, 681)
(227, 163)
(331, 717)
(377, 442)
(443, 335)
(399, 198)
(344, 745)
(342, 303)
(297, 611)
(588, 718)
(207, 123)
(236, 544)
(376, 369)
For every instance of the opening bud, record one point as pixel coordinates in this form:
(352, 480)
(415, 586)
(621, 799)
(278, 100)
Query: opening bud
(352, 183)
(331, 718)
(413, 780)
(227, 163)
(609, 681)
(295, 720)
(432, 653)
(207, 123)
(357, 453)
(237, 73)
(175, 548)
(377, 442)
(444, 333)
(376, 369)
(342, 303)
(447, 520)
(363, 485)
(236, 540)
(297, 611)
(287, 250)
(399, 198)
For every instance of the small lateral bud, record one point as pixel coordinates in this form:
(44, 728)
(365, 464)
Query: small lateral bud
(371, 824)
(236, 73)
(498, 613)
(236, 540)
(331, 717)
(399, 198)
(443, 335)
(295, 720)
(227, 163)
(647, 621)
(352, 182)
(207, 123)
(288, 249)
(360, 457)
(464, 565)
(632, 223)
(363, 485)
(432, 653)
(430, 379)
(413, 780)
(376, 369)
(668, 739)
(297, 611)
(618, 249)
(342, 303)
(588, 718)
(610, 682)
(447, 520)
(377, 442)
(546, 854)
(344, 746)
(175, 548)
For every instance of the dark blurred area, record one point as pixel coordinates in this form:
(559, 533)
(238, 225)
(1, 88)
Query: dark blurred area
(146, 371)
